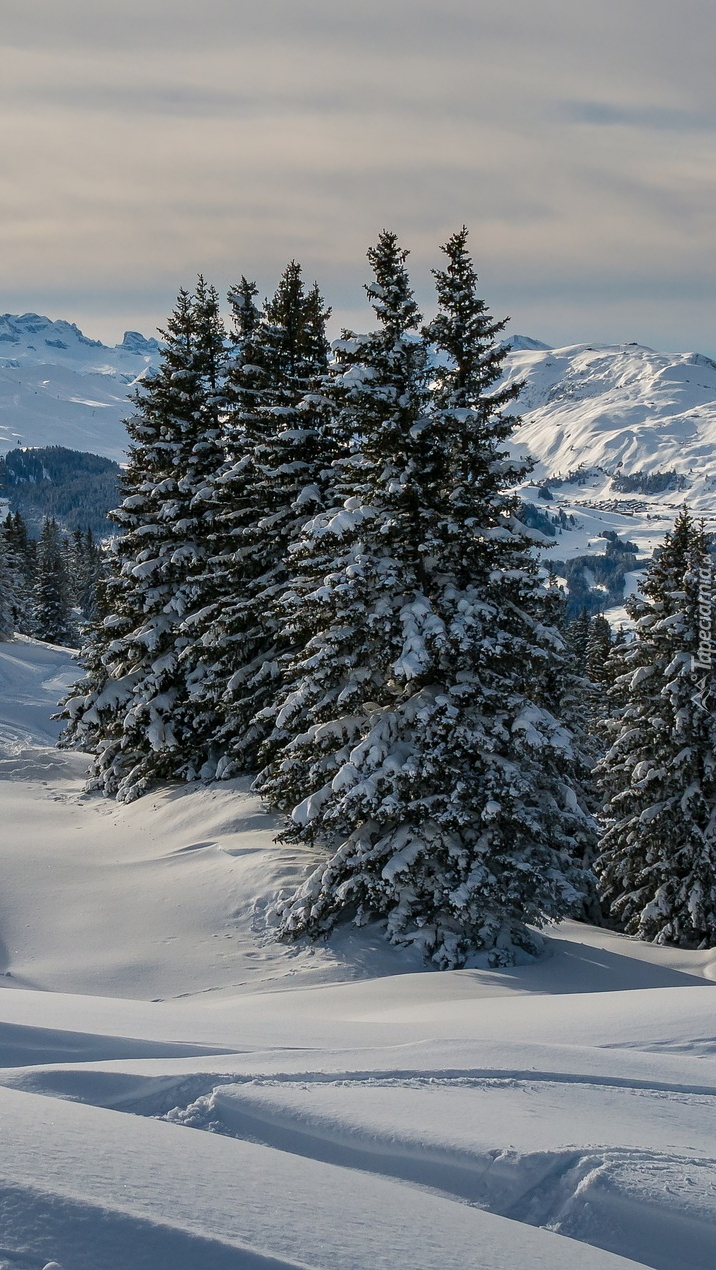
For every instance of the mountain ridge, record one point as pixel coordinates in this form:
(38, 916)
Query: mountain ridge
(620, 435)
(59, 387)
(25, 333)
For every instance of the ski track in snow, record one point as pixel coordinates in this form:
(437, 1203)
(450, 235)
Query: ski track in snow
(179, 1092)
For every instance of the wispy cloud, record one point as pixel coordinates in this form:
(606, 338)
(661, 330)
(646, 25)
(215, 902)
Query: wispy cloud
(652, 117)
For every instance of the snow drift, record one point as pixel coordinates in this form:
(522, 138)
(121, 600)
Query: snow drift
(179, 1092)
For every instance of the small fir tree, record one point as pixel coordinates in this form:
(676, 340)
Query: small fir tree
(578, 638)
(597, 650)
(85, 560)
(657, 861)
(7, 592)
(21, 559)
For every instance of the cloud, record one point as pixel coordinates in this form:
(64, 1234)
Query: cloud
(142, 143)
(654, 117)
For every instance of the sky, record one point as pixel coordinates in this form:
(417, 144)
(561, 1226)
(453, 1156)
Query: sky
(145, 141)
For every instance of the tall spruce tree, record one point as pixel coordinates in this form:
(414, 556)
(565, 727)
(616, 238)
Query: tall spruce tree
(657, 861)
(267, 489)
(53, 620)
(420, 741)
(7, 591)
(132, 709)
(21, 557)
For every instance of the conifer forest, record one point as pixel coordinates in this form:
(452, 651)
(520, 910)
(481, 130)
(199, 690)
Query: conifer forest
(320, 576)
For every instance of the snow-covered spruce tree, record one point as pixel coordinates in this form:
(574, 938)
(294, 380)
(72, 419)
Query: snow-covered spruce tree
(195, 527)
(421, 744)
(22, 565)
(132, 708)
(271, 483)
(7, 591)
(598, 648)
(229, 493)
(52, 602)
(657, 861)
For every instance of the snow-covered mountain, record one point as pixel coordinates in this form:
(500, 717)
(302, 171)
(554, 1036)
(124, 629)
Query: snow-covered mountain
(30, 340)
(57, 387)
(623, 408)
(621, 437)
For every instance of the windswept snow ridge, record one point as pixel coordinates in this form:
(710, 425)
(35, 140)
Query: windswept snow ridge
(180, 1092)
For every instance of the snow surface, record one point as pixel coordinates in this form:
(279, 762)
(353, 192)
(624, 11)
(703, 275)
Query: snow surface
(59, 388)
(180, 1092)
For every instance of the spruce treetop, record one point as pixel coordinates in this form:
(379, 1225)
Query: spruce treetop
(285, 310)
(390, 293)
(465, 330)
(242, 301)
(464, 392)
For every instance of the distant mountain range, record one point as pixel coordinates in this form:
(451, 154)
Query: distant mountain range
(621, 435)
(59, 388)
(623, 408)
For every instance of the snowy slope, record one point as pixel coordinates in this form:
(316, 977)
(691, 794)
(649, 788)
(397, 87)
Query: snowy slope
(622, 407)
(593, 413)
(179, 1092)
(32, 678)
(59, 388)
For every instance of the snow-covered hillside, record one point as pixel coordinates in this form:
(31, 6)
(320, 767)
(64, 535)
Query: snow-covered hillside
(179, 1092)
(622, 408)
(59, 388)
(622, 436)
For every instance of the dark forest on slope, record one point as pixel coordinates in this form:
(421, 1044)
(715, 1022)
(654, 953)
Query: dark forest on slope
(74, 488)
